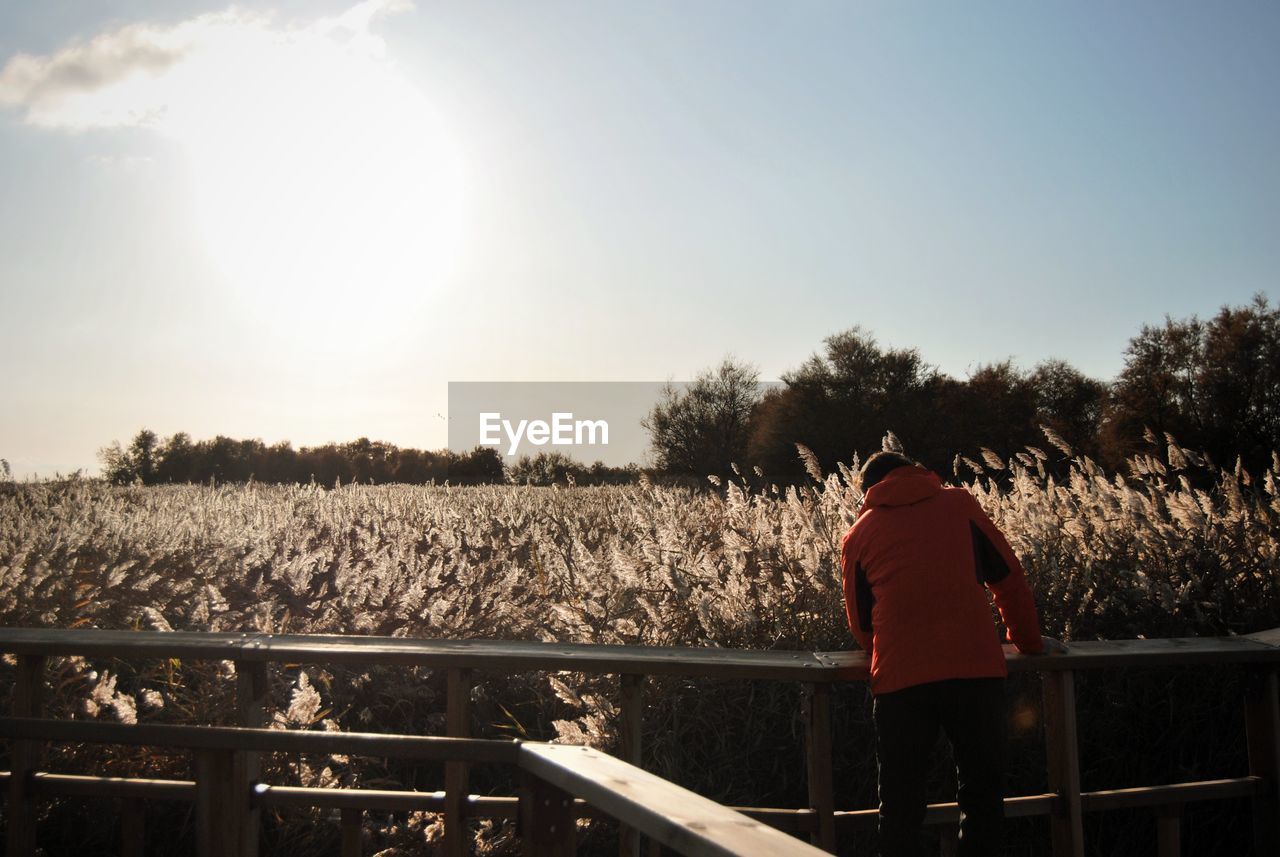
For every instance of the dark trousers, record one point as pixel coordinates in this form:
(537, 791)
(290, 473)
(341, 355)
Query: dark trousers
(971, 714)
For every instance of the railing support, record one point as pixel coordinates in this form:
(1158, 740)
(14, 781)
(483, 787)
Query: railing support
(1062, 744)
(817, 739)
(133, 829)
(949, 841)
(28, 693)
(547, 821)
(220, 804)
(1262, 729)
(252, 692)
(352, 822)
(1169, 830)
(456, 774)
(630, 747)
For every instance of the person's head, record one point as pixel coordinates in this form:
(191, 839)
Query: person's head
(878, 466)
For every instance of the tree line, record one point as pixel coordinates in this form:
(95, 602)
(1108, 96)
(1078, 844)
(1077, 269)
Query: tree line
(1213, 385)
(152, 460)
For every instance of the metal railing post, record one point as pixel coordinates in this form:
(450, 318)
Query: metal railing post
(457, 774)
(1062, 745)
(817, 739)
(28, 693)
(1262, 730)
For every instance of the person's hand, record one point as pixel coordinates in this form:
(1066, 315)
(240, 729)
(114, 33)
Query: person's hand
(1053, 646)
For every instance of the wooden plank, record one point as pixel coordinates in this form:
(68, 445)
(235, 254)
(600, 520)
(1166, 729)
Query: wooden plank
(217, 804)
(630, 747)
(96, 642)
(427, 748)
(504, 656)
(1064, 763)
(352, 826)
(457, 833)
(301, 797)
(547, 823)
(1097, 654)
(375, 800)
(818, 748)
(673, 816)
(366, 800)
(1270, 638)
(28, 694)
(133, 828)
(1262, 733)
(1175, 651)
(1022, 806)
(252, 692)
(1169, 831)
(1169, 795)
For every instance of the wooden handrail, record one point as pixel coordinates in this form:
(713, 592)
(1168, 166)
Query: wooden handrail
(674, 816)
(497, 656)
(1176, 793)
(518, 656)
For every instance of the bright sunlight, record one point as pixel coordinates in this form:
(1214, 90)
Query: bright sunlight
(325, 189)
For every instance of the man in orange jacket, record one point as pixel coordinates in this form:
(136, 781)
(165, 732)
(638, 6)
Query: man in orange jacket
(916, 567)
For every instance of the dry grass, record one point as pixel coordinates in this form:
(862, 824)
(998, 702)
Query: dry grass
(1174, 549)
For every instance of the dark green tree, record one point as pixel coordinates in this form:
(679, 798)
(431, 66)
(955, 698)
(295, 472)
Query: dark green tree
(481, 466)
(1213, 386)
(1070, 403)
(138, 463)
(178, 459)
(843, 401)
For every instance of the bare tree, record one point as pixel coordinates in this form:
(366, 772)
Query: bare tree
(703, 428)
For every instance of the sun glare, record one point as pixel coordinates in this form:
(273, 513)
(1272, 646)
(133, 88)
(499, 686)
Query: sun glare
(327, 191)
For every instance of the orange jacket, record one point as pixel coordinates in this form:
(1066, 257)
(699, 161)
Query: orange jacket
(914, 566)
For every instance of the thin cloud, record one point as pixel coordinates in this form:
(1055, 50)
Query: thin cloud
(133, 75)
(47, 85)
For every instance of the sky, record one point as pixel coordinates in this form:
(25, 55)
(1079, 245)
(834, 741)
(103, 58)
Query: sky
(302, 220)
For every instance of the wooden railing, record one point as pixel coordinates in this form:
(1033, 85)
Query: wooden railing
(229, 797)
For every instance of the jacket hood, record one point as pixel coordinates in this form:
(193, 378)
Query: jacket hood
(903, 486)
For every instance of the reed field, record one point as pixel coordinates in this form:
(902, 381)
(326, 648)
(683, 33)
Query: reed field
(1176, 547)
